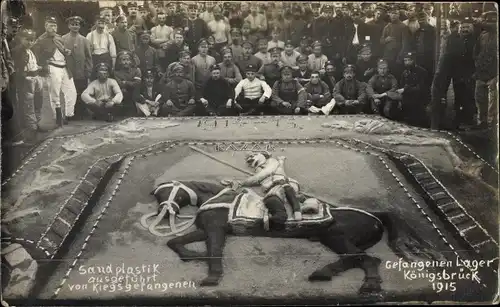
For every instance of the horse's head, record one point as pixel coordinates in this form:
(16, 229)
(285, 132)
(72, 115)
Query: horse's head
(256, 159)
(174, 195)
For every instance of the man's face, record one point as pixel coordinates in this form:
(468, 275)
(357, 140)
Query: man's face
(244, 7)
(74, 26)
(236, 36)
(122, 24)
(203, 49)
(315, 10)
(132, 11)
(209, 5)
(211, 42)
(254, 10)
(27, 42)
(328, 13)
(349, 75)
(357, 17)
(288, 49)
(315, 78)
(125, 61)
(286, 76)
(378, 14)
(178, 74)
(150, 81)
(382, 69)
(250, 75)
(394, 15)
(274, 35)
(245, 30)
(263, 47)
(102, 74)
(330, 70)
(144, 13)
(162, 19)
(101, 25)
(303, 65)
(51, 28)
(217, 13)
(466, 28)
(247, 50)
(216, 74)
(317, 50)
(107, 15)
(145, 39)
(366, 55)
(275, 57)
(185, 60)
(303, 44)
(429, 10)
(179, 39)
(171, 10)
(228, 57)
(193, 13)
(408, 62)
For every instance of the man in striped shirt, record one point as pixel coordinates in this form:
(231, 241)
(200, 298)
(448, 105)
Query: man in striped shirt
(255, 94)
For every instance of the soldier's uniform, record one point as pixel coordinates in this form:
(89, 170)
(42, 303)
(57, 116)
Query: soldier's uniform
(271, 72)
(350, 95)
(289, 91)
(389, 105)
(416, 93)
(181, 93)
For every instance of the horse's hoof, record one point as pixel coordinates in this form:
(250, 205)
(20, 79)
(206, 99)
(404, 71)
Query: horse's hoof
(210, 281)
(320, 275)
(371, 289)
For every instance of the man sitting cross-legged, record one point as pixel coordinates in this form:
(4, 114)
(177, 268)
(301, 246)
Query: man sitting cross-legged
(178, 95)
(319, 99)
(349, 93)
(103, 96)
(255, 94)
(148, 101)
(384, 99)
(217, 94)
(289, 96)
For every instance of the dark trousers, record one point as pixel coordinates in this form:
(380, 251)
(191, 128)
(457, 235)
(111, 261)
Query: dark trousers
(414, 110)
(80, 108)
(465, 106)
(189, 110)
(388, 108)
(101, 58)
(253, 107)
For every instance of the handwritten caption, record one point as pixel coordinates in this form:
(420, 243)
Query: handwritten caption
(442, 275)
(121, 278)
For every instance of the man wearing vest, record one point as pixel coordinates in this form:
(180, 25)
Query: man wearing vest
(102, 45)
(289, 97)
(254, 94)
(51, 54)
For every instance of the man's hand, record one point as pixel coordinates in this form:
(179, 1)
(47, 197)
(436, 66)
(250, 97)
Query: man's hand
(355, 102)
(262, 99)
(297, 110)
(236, 184)
(400, 91)
(229, 103)
(169, 103)
(191, 101)
(377, 101)
(286, 104)
(262, 78)
(67, 52)
(368, 71)
(109, 104)
(322, 71)
(204, 101)
(389, 39)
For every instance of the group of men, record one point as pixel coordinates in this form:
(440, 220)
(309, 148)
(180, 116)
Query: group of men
(235, 58)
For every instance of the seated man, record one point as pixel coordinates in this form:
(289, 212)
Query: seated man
(178, 95)
(384, 99)
(319, 99)
(270, 73)
(228, 70)
(288, 96)
(148, 102)
(103, 96)
(255, 94)
(217, 94)
(330, 75)
(366, 64)
(185, 61)
(349, 93)
(303, 74)
(129, 79)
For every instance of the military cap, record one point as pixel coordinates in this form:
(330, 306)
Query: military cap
(381, 8)
(382, 61)
(454, 23)
(235, 31)
(314, 5)
(120, 18)
(178, 67)
(365, 47)
(349, 67)
(409, 54)
(275, 50)
(476, 13)
(124, 53)
(149, 73)
(179, 31)
(158, 3)
(27, 33)
(203, 42)
(304, 38)
(356, 12)
(51, 19)
(143, 8)
(302, 58)
(263, 40)
(226, 50)
(183, 53)
(143, 33)
(288, 43)
(327, 8)
(214, 67)
(75, 19)
(105, 8)
(101, 66)
(14, 21)
(251, 67)
(100, 18)
(316, 43)
(286, 69)
(247, 43)
(466, 18)
(132, 4)
(329, 63)
(246, 25)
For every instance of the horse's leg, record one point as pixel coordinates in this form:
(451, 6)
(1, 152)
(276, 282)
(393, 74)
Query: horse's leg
(177, 245)
(373, 280)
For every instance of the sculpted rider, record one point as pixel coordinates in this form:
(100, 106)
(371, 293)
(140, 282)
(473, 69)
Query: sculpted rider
(270, 174)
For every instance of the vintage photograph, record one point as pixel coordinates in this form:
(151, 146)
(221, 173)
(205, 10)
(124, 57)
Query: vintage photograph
(249, 152)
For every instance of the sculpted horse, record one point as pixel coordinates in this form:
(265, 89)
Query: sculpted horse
(349, 232)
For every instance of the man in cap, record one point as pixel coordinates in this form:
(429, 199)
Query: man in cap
(129, 79)
(319, 98)
(377, 26)
(79, 60)
(270, 73)
(207, 15)
(235, 46)
(148, 57)
(103, 96)
(394, 39)
(51, 54)
(289, 97)
(317, 59)
(382, 91)
(28, 86)
(350, 94)
(304, 48)
(161, 36)
(289, 56)
(358, 33)
(220, 29)
(414, 88)
(486, 59)
(188, 68)
(275, 42)
(102, 45)
(298, 27)
(202, 63)
(124, 39)
(263, 54)
(428, 9)
(217, 94)
(175, 47)
(252, 94)
(106, 13)
(133, 14)
(148, 101)
(12, 28)
(257, 21)
(303, 73)
(424, 44)
(228, 70)
(456, 63)
(196, 28)
(366, 65)
(248, 58)
(247, 36)
(178, 95)
(172, 18)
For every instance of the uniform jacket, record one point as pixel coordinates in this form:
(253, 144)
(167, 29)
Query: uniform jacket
(413, 80)
(291, 92)
(457, 60)
(80, 60)
(350, 90)
(45, 47)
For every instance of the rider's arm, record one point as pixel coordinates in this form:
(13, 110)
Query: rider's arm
(266, 172)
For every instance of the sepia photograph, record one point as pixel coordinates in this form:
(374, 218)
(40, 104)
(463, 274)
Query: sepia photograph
(210, 153)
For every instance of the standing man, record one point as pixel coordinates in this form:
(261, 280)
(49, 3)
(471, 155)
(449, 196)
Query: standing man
(195, 29)
(202, 63)
(377, 25)
(358, 33)
(228, 70)
(124, 39)
(102, 45)
(257, 21)
(248, 58)
(161, 35)
(51, 54)
(220, 29)
(79, 60)
(394, 39)
(425, 42)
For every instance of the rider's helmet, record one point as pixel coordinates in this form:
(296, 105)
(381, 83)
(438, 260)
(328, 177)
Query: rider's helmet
(257, 158)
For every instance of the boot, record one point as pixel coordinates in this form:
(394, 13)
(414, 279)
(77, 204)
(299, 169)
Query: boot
(59, 117)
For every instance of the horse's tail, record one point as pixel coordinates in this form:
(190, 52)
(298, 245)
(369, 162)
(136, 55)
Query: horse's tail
(404, 241)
